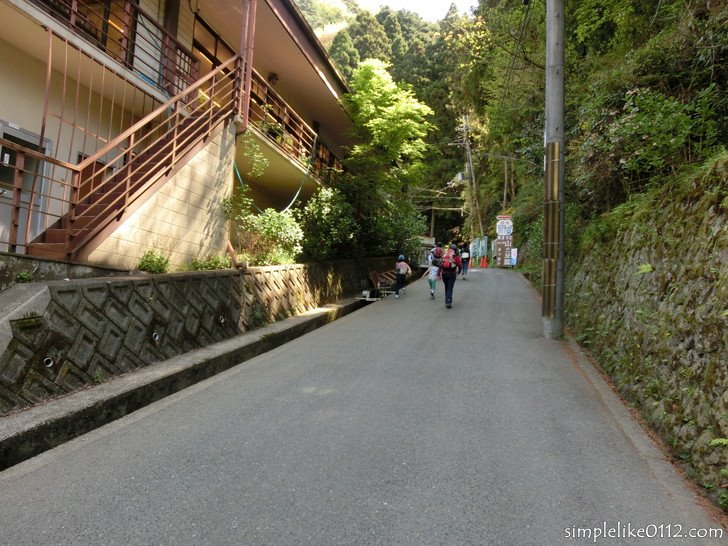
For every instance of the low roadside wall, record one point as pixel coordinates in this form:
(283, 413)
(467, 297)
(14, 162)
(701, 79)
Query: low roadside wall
(61, 336)
(48, 270)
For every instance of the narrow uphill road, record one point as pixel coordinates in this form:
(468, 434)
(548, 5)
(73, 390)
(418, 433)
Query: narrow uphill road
(404, 423)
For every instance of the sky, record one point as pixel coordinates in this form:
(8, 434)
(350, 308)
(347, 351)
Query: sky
(430, 10)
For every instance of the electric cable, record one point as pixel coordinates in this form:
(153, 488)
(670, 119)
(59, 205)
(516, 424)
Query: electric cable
(517, 48)
(300, 186)
(308, 171)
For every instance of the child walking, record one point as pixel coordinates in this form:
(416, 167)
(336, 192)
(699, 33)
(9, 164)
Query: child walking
(433, 273)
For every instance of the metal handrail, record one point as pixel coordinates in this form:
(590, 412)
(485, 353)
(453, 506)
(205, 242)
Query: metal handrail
(170, 104)
(173, 145)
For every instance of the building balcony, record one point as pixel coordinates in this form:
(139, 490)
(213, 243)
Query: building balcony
(280, 124)
(131, 37)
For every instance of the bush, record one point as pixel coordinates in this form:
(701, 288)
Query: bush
(266, 238)
(210, 264)
(152, 262)
(328, 224)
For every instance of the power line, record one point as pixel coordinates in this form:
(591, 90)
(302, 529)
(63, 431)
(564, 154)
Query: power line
(518, 46)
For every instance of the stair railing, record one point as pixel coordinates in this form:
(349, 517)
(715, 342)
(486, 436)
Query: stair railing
(120, 171)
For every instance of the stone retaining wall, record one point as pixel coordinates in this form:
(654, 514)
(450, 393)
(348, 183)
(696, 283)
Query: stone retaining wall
(651, 303)
(66, 335)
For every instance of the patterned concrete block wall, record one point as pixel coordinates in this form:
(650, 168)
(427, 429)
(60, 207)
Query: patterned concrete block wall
(281, 291)
(80, 332)
(184, 219)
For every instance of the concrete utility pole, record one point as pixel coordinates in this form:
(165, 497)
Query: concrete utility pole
(505, 183)
(553, 222)
(476, 204)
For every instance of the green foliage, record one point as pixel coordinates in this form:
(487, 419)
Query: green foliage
(645, 268)
(386, 165)
(153, 262)
(718, 442)
(398, 227)
(600, 26)
(369, 38)
(258, 163)
(328, 225)
(319, 14)
(391, 125)
(344, 54)
(265, 238)
(656, 132)
(210, 264)
(24, 276)
(723, 500)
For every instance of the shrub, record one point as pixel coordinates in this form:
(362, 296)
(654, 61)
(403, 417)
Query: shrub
(152, 262)
(24, 276)
(210, 264)
(266, 238)
(328, 224)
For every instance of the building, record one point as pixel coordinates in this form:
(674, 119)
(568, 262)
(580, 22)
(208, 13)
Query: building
(123, 123)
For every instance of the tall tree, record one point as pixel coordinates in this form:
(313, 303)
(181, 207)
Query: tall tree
(319, 14)
(369, 38)
(344, 54)
(390, 23)
(390, 126)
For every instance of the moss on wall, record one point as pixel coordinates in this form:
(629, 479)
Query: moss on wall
(650, 300)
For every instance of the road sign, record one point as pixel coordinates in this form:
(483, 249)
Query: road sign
(504, 226)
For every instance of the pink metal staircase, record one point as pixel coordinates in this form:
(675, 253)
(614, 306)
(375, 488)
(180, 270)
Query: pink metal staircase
(106, 189)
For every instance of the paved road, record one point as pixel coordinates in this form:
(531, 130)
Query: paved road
(404, 423)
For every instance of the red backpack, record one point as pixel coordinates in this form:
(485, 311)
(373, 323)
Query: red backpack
(448, 260)
(437, 256)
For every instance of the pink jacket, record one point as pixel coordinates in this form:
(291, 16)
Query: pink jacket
(403, 267)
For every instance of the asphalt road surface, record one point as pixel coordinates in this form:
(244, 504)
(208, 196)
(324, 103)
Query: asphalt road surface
(403, 423)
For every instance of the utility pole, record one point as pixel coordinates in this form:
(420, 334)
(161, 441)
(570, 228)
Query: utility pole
(505, 184)
(553, 222)
(476, 204)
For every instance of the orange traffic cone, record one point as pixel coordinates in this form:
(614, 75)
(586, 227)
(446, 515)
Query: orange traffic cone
(484, 262)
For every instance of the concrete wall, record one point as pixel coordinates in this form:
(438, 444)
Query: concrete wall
(58, 337)
(184, 219)
(47, 270)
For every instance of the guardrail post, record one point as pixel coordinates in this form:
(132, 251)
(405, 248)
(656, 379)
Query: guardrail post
(128, 158)
(175, 125)
(17, 192)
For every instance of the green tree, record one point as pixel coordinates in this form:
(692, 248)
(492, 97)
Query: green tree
(390, 123)
(344, 54)
(369, 38)
(319, 14)
(390, 128)
(390, 23)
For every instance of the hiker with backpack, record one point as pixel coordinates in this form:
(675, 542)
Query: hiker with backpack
(434, 258)
(450, 266)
